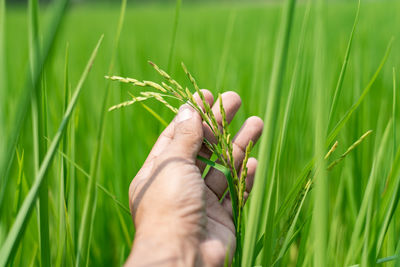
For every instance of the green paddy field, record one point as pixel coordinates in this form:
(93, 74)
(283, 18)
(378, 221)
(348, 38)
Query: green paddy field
(350, 214)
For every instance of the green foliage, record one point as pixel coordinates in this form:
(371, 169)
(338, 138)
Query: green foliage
(327, 188)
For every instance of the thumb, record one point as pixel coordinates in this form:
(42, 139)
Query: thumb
(188, 133)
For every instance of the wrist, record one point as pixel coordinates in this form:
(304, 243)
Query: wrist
(163, 245)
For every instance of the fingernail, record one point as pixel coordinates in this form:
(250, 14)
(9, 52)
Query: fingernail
(185, 113)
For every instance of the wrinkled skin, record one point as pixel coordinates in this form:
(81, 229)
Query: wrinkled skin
(178, 217)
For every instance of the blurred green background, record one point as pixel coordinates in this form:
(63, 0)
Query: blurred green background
(227, 46)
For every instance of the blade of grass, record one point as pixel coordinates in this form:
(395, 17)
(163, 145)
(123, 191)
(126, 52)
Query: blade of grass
(391, 207)
(394, 113)
(365, 256)
(85, 230)
(39, 130)
(382, 260)
(102, 188)
(31, 83)
(32, 262)
(292, 228)
(225, 50)
(63, 175)
(72, 192)
(368, 197)
(18, 193)
(231, 187)
(265, 150)
(174, 30)
(125, 231)
(3, 78)
(282, 136)
(155, 115)
(122, 256)
(339, 84)
(19, 226)
(397, 262)
(333, 134)
(320, 221)
(348, 114)
(70, 242)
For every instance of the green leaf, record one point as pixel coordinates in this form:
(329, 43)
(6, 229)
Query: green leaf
(32, 82)
(19, 226)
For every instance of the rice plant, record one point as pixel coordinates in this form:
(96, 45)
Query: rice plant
(322, 74)
(222, 148)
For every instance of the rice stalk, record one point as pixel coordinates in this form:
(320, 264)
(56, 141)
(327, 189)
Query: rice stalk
(333, 148)
(339, 84)
(368, 197)
(102, 188)
(20, 177)
(274, 184)
(39, 130)
(262, 180)
(390, 201)
(63, 176)
(394, 112)
(351, 148)
(291, 231)
(225, 50)
(301, 179)
(174, 31)
(364, 93)
(19, 226)
(320, 213)
(31, 84)
(89, 209)
(3, 79)
(223, 148)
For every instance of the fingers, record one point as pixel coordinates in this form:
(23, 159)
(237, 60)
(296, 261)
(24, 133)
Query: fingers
(188, 134)
(166, 136)
(208, 96)
(251, 130)
(251, 171)
(231, 102)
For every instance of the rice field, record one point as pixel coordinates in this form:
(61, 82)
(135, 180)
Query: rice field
(322, 74)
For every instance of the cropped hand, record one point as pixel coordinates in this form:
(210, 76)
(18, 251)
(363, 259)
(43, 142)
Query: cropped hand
(178, 216)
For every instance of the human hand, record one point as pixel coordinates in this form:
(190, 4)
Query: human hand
(178, 217)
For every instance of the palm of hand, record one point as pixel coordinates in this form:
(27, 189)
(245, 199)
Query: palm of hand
(169, 186)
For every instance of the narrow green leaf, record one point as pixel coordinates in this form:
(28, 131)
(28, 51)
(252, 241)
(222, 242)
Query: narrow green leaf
(391, 207)
(102, 188)
(320, 214)
(21, 221)
(31, 83)
(382, 260)
(89, 209)
(273, 194)
(39, 131)
(339, 84)
(348, 114)
(368, 197)
(332, 136)
(262, 181)
(225, 51)
(292, 227)
(63, 176)
(3, 80)
(174, 30)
